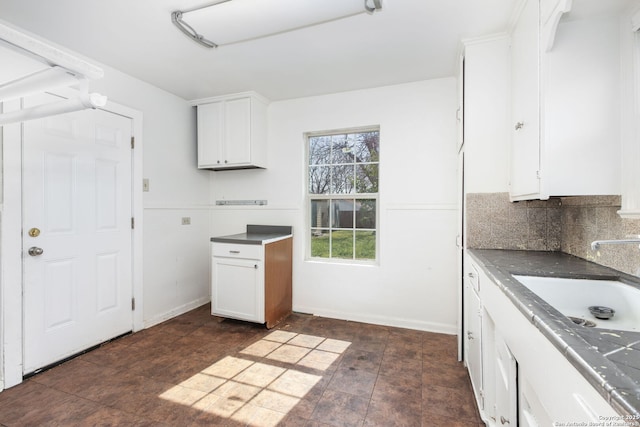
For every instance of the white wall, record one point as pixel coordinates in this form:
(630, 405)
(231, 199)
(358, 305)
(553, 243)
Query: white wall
(176, 256)
(414, 284)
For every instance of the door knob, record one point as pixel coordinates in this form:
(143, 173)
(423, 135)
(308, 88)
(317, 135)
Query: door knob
(35, 251)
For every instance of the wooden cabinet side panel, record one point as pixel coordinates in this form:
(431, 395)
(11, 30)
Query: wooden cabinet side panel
(278, 278)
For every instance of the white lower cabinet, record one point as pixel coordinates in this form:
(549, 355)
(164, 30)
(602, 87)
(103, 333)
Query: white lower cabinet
(473, 340)
(506, 383)
(252, 282)
(532, 412)
(518, 376)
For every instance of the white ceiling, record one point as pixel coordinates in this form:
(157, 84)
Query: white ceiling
(409, 40)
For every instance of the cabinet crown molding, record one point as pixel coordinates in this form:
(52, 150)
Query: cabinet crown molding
(549, 23)
(248, 94)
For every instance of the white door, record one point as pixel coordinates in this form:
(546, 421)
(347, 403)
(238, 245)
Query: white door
(77, 209)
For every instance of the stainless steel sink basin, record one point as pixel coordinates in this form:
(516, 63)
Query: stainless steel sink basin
(574, 297)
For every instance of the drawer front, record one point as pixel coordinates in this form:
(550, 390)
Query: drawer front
(473, 277)
(232, 250)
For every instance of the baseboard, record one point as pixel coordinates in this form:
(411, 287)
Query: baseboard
(176, 312)
(441, 328)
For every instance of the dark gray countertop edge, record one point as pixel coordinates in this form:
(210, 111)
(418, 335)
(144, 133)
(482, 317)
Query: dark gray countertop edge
(250, 239)
(585, 348)
(257, 235)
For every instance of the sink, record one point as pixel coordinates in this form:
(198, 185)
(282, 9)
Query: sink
(574, 297)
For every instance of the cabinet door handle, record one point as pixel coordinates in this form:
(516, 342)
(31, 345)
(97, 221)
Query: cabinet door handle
(519, 125)
(503, 420)
(234, 252)
(472, 275)
(470, 335)
(255, 266)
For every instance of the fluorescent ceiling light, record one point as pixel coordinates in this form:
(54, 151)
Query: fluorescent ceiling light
(234, 21)
(63, 69)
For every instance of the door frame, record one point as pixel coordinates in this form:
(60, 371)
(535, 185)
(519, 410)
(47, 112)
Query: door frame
(11, 260)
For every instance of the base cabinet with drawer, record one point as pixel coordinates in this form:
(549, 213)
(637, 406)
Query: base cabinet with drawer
(252, 282)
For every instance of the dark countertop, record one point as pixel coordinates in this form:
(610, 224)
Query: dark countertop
(608, 359)
(256, 235)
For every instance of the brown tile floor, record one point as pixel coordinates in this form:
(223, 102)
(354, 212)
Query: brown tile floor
(195, 370)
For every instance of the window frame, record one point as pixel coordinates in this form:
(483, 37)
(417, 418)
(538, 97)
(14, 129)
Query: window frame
(309, 197)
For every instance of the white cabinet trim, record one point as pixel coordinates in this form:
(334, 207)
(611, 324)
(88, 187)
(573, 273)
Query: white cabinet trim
(549, 24)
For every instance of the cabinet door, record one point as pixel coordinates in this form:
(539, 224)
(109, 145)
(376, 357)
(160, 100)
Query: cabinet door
(210, 122)
(532, 413)
(506, 389)
(525, 141)
(237, 289)
(237, 131)
(474, 342)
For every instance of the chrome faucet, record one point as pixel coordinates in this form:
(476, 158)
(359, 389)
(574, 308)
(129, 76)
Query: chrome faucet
(595, 245)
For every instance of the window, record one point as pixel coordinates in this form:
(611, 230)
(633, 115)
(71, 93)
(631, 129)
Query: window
(343, 194)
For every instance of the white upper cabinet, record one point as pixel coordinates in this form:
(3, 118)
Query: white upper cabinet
(566, 96)
(630, 47)
(232, 132)
(525, 103)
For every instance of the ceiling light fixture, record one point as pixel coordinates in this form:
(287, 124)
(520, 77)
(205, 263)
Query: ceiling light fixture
(233, 21)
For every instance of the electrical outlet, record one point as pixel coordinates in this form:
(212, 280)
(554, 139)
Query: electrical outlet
(145, 184)
(186, 220)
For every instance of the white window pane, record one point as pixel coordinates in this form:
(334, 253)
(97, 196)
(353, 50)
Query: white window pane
(342, 244)
(342, 213)
(319, 179)
(320, 243)
(342, 149)
(319, 150)
(365, 242)
(367, 146)
(320, 214)
(366, 213)
(342, 179)
(366, 178)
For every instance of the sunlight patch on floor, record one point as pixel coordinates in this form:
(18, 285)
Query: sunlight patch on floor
(260, 394)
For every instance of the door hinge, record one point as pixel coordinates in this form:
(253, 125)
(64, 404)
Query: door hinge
(133, 304)
(133, 142)
(538, 174)
(133, 223)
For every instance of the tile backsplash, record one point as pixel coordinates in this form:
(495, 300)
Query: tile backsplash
(567, 224)
(493, 222)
